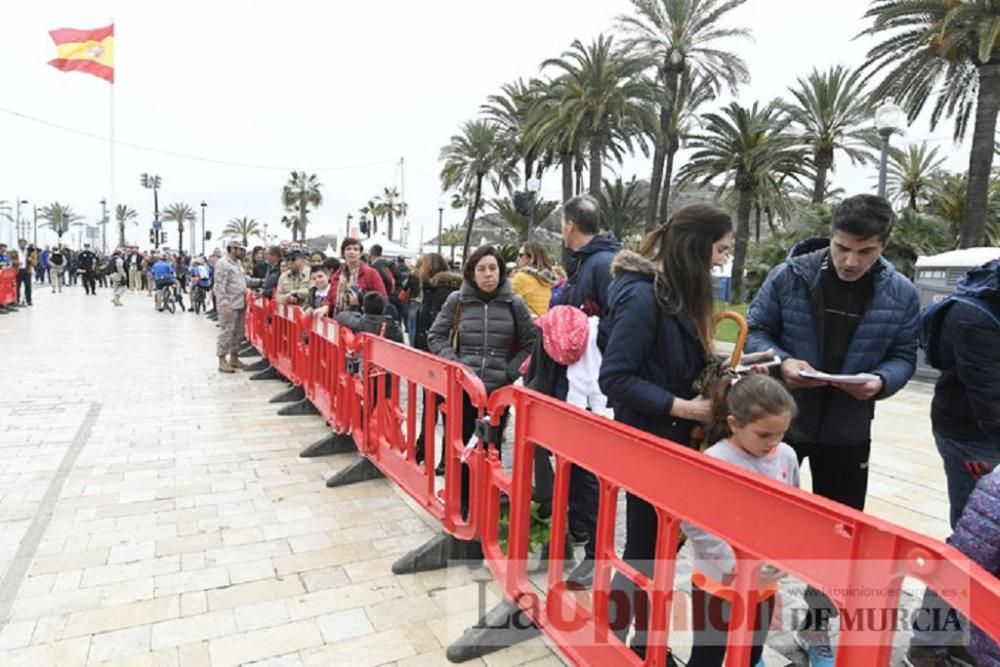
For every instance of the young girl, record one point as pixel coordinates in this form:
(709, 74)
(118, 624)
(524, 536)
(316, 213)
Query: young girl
(759, 411)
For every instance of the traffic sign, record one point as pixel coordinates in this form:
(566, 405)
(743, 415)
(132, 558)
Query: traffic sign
(157, 225)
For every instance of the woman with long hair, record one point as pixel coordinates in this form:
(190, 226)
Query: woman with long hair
(534, 278)
(437, 282)
(659, 338)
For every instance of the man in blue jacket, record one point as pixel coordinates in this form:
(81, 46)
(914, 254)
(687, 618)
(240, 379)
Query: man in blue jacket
(588, 276)
(838, 307)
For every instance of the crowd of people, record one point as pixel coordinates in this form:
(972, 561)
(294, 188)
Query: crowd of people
(634, 331)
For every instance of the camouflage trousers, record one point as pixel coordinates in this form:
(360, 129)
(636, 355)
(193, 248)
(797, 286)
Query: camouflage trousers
(232, 327)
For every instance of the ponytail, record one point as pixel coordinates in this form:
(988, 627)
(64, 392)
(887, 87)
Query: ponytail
(747, 399)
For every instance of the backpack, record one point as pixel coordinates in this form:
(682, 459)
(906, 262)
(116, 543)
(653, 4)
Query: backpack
(386, 276)
(932, 317)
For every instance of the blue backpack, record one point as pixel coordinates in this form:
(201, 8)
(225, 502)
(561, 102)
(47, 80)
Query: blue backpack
(932, 317)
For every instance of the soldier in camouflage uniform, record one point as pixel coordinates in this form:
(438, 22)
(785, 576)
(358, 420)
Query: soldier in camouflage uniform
(230, 299)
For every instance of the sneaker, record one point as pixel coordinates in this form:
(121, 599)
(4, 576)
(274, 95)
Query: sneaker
(816, 644)
(582, 577)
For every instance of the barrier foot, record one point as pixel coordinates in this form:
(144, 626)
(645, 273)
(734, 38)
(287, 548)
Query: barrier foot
(504, 625)
(436, 553)
(303, 407)
(269, 373)
(335, 443)
(257, 366)
(290, 395)
(248, 352)
(361, 470)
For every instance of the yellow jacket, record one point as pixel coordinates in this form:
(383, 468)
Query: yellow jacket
(535, 287)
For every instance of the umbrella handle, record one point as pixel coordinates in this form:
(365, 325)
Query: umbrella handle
(741, 338)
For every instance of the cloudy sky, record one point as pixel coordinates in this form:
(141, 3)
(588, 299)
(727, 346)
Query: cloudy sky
(341, 89)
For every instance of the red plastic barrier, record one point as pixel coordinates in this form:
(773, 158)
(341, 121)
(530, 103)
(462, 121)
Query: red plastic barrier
(391, 429)
(286, 337)
(8, 286)
(820, 542)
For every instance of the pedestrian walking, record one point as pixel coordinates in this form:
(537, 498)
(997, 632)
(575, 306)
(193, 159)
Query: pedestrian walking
(837, 306)
(133, 264)
(25, 269)
(660, 333)
(57, 263)
(229, 289)
(86, 262)
(119, 276)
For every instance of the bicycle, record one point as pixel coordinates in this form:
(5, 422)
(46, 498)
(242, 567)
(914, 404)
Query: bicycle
(167, 298)
(198, 299)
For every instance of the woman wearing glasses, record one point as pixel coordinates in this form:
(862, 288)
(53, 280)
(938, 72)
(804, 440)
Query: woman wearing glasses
(534, 278)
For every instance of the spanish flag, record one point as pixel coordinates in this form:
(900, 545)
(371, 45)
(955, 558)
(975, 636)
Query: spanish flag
(90, 51)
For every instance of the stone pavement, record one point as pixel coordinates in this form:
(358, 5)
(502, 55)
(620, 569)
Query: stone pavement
(155, 512)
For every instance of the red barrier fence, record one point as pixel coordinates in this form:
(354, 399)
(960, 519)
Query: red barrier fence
(386, 394)
(8, 286)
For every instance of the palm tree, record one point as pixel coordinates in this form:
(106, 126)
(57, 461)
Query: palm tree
(623, 206)
(742, 145)
(514, 219)
(124, 214)
(832, 112)
(912, 173)
(947, 199)
(371, 209)
(59, 217)
(603, 99)
(452, 237)
(180, 213)
(391, 206)
(300, 192)
(470, 158)
(546, 135)
(947, 47)
(916, 234)
(682, 37)
(512, 110)
(244, 228)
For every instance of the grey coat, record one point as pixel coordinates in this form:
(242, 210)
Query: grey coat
(490, 342)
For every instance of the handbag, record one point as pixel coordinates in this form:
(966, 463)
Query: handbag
(453, 332)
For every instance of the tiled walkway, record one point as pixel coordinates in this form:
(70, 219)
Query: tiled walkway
(155, 512)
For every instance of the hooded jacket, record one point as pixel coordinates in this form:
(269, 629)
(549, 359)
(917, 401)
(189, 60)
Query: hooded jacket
(491, 341)
(588, 275)
(535, 287)
(977, 535)
(967, 394)
(651, 357)
(787, 316)
(436, 292)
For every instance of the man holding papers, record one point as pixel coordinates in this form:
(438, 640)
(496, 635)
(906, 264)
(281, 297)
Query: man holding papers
(845, 323)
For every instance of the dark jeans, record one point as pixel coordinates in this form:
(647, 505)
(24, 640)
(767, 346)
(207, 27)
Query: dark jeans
(710, 623)
(583, 495)
(24, 283)
(965, 462)
(89, 282)
(840, 473)
(627, 601)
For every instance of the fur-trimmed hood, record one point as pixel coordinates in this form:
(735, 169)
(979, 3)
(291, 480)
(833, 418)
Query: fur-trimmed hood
(628, 261)
(446, 279)
(546, 278)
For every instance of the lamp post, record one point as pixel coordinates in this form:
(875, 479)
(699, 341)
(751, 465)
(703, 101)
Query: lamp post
(533, 186)
(347, 228)
(203, 205)
(440, 222)
(20, 232)
(888, 120)
(104, 226)
(153, 182)
(35, 232)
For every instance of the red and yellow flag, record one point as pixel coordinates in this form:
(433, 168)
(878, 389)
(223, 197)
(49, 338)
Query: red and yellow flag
(90, 51)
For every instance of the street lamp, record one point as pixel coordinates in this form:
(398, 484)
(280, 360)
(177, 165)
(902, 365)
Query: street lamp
(440, 222)
(104, 226)
(533, 185)
(153, 182)
(20, 231)
(888, 120)
(347, 229)
(203, 205)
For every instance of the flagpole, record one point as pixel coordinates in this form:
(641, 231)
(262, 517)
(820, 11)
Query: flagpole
(111, 155)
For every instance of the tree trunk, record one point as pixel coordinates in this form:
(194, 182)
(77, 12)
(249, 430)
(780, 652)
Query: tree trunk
(472, 216)
(180, 235)
(578, 170)
(913, 200)
(756, 228)
(656, 177)
(121, 234)
(770, 219)
(981, 157)
(668, 174)
(742, 241)
(389, 216)
(824, 160)
(302, 217)
(567, 176)
(596, 164)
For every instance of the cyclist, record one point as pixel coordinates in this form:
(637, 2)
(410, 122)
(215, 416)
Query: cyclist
(201, 279)
(165, 277)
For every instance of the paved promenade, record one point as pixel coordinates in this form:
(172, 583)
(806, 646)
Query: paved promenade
(155, 512)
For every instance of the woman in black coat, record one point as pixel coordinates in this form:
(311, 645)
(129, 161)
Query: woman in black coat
(437, 282)
(659, 334)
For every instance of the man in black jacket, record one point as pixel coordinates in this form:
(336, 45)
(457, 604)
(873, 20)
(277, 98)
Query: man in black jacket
(87, 265)
(965, 417)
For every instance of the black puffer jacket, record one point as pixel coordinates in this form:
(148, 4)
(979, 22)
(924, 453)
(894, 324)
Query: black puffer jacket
(494, 337)
(436, 292)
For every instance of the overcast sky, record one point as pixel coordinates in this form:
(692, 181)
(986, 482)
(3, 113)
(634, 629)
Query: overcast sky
(341, 89)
